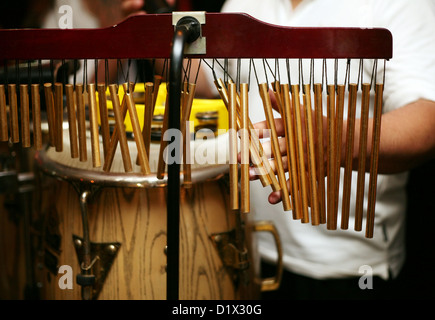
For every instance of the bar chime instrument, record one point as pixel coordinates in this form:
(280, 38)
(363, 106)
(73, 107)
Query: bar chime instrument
(312, 110)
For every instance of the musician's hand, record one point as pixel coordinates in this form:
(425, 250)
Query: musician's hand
(263, 132)
(129, 7)
(136, 6)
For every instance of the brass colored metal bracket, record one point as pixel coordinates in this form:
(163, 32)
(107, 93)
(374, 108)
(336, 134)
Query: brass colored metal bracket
(273, 283)
(102, 257)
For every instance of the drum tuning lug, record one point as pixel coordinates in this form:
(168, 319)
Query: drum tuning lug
(86, 280)
(102, 257)
(78, 243)
(112, 249)
(234, 258)
(231, 256)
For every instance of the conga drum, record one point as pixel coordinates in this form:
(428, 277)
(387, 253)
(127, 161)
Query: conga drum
(116, 221)
(16, 187)
(12, 250)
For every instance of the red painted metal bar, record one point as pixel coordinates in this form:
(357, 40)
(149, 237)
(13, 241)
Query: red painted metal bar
(228, 35)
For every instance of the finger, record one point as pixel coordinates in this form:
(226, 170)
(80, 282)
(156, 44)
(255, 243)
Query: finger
(267, 147)
(254, 172)
(132, 6)
(273, 100)
(275, 197)
(262, 128)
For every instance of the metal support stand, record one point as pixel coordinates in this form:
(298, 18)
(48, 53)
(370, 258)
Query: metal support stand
(187, 30)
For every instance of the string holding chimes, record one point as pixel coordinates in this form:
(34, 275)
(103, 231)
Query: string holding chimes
(300, 106)
(309, 108)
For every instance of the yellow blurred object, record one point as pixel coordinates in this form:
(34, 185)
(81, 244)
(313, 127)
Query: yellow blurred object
(198, 106)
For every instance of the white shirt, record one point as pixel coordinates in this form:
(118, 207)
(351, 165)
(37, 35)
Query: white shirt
(312, 250)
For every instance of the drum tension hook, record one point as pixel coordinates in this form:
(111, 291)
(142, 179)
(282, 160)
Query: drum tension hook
(95, 259)
(94, 274)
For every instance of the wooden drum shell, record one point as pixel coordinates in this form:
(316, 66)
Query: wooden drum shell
(135, 217)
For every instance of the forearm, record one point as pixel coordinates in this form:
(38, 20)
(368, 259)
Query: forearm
(407, 138)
